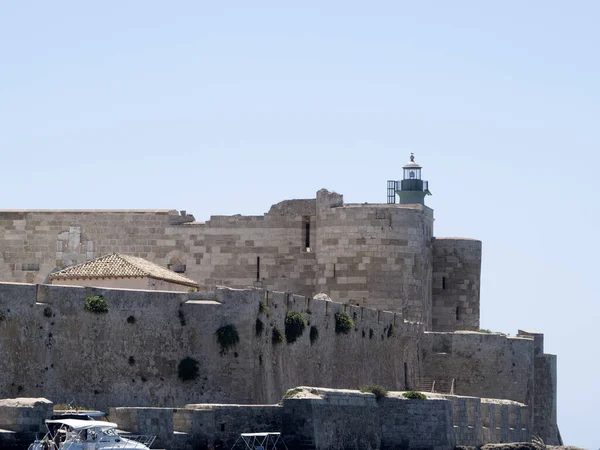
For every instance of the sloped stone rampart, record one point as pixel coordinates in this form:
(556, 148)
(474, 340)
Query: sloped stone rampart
(51, 346)
(315, 418)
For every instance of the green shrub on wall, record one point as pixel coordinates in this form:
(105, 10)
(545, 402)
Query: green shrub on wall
(277, 336)
(2, 316)
(343, 323)
(292, 393)
(263, 308)
(414, 395)
(376, 389)
(96, 304)
(294, 326)
(228, 337)
(188, 369)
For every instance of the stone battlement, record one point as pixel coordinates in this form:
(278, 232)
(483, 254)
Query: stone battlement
(314, 418)
(376, 255)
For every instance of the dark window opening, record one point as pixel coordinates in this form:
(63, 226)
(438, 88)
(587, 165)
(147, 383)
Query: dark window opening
(406, 386)
(307, 233)
(443, 282)
(457, 313)
(177, 268)
(222, 427)
(333, 270)
(258, 268)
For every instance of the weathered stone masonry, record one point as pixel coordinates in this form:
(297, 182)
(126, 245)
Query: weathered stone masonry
(381, 256)
(50, 346)
(378, 262)
(316, 418)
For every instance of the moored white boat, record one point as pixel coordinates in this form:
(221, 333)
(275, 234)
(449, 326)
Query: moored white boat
(77, 434)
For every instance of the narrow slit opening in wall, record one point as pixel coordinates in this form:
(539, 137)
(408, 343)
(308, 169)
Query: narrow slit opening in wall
(258, 268)
(406, 386)
(307, 234)
(443, 282)
(333, 270)
(457, 313)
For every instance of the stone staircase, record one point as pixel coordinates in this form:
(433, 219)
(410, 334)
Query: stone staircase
(437, 385)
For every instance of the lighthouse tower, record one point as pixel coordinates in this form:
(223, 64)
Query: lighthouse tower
(411, 189)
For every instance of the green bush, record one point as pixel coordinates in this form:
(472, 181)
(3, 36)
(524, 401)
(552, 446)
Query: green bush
(343, 323)
(96, 304)
(292, 392)
(376, 389)
(2, 316)
(228, 337)
(314, 334)
(294, 326)
(277, 336)
(263, 308)
(188, 369)
(485, 330)
(414, 395)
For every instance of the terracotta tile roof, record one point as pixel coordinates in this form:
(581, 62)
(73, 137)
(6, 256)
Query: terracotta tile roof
(121, 266)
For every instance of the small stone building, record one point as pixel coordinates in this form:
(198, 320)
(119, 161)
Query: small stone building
(122, 271)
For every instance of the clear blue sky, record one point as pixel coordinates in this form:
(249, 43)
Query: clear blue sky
(227, 109)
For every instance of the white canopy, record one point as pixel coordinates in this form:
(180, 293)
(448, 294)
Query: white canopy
(266, 433)
(78, 424)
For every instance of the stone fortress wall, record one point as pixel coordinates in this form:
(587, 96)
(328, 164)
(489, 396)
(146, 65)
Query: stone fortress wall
(316, 418)
(407, 291)
(52, 347)
(380, 256)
